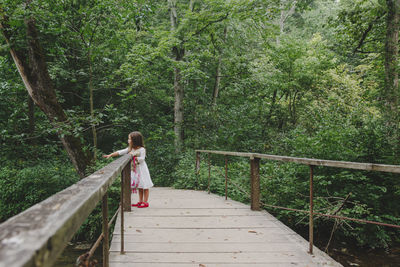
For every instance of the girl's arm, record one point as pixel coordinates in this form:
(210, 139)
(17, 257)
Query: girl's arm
(116, 153)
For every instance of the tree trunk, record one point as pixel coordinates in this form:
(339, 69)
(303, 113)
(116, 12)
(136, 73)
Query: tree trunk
(283, 18)
(218, 73)
(178, 87)
(272, 107)
(34, 73)
(391, 93)
(31, 115)
(178, 110)
(94, 132)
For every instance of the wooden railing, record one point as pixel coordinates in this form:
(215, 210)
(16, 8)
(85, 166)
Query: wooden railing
(255, 181)
(37, 236)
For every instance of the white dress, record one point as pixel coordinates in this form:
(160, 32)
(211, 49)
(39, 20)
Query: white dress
(141, 167)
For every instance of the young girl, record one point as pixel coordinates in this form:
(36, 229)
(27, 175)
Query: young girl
(136, 149)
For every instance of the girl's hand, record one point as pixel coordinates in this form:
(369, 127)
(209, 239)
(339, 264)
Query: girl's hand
(106, 156)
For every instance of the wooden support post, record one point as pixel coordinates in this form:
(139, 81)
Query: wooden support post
(104, 209)
(226, 177)
(311, 223)
(121, 210)
(126, 180)
(197, 171)
(255, 183)
(209, 173)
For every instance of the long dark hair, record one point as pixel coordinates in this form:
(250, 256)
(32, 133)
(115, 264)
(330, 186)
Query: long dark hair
(137, 140)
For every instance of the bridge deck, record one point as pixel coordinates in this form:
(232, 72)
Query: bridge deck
(192, 228)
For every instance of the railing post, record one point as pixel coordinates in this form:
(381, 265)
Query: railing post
(226, 177)
(197, 171)
(209, 173)
(255, 183)
(126, 184)
(121, 210)
(104, 209)
(311, 223)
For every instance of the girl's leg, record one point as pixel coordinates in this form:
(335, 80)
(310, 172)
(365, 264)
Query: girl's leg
(140, 195)
(146, 195)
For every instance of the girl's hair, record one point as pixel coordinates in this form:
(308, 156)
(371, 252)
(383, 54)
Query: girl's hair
(137, 140)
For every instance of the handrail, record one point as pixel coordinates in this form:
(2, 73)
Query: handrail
(313, 162)
(255, 180)
(37, 236)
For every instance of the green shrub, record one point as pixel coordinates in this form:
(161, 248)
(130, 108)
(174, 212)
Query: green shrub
(23, 188)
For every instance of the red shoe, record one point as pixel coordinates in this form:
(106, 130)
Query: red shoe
(137, 204)
(143, 205)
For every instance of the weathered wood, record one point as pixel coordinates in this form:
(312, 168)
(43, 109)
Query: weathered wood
(197, 162)
(255, 183)
(196, 212)
(208, 230)
(249, 258)
(204, 236)
(314, 162)
(193, 264)
(198, 247)
(37, 236)
(311, 217)
(209, 173)
(226, 177)
(121, 208)
(197, 170)
(104, 209)
(210, 222)
(126, 178)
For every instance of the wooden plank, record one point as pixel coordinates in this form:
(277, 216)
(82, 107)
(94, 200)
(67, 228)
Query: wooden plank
(203, 235)
(212, 222)
(205, 247)
(191, 203)
(37, 236)
(177, 264)
(249, 258)
(315, 162)
(181, 194)
(188, 212)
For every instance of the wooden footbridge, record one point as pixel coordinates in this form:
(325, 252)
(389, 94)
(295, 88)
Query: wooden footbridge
(193, 228)
(180, 228)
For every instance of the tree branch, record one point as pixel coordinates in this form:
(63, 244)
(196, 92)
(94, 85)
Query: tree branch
(209, 24)
(365, 34)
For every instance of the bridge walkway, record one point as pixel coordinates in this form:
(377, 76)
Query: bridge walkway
(193, 228)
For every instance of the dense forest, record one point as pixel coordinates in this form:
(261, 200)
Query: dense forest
(304, 78)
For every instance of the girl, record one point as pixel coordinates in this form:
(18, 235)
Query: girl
(136, 149)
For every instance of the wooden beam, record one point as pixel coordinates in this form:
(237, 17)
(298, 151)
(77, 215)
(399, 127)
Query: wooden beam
(126, 181)
(255, 183)
(314, 162)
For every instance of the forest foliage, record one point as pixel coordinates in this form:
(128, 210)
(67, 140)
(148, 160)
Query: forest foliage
(302, 78)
